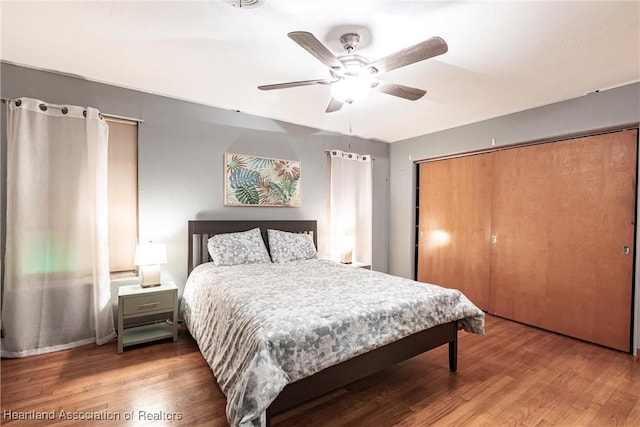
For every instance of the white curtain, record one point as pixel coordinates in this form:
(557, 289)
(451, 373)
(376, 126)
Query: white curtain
(350, 206)
(56, 283)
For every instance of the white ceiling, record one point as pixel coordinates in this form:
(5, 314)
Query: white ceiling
(503, 56)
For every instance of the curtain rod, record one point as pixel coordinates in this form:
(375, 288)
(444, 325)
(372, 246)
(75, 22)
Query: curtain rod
(345, 152)
(107, 115)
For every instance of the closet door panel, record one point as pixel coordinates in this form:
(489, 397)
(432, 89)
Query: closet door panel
(562, 213)
(455, 225)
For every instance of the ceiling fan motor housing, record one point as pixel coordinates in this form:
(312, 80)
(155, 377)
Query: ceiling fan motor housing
(353, 65)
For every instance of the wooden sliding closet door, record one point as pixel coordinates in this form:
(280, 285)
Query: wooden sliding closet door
(563, 217)
(454, 219)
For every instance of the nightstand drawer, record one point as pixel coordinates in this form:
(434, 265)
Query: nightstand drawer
(154, 302)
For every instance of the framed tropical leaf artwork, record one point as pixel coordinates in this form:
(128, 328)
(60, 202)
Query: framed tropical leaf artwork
(261, 181)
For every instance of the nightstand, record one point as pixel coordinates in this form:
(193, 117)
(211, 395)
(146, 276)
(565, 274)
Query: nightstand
(136, 302)
(357, 264)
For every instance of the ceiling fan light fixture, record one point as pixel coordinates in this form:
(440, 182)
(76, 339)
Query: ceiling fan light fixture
(351, 89)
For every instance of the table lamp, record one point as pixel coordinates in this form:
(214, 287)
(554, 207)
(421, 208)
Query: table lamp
(346, 252)
(149, 256)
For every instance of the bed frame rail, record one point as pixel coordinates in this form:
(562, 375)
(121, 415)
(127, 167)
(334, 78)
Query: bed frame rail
(366, 364)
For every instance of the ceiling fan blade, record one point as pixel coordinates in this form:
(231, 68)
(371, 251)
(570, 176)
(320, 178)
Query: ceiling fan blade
(334, 105)
(419, 52)
(312, 45)
(295, 84)
(402, 91)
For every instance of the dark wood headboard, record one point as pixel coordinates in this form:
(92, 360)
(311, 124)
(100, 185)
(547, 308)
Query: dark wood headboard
(201, 230)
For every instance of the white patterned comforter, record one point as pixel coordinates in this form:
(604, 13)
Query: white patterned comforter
(263, 326)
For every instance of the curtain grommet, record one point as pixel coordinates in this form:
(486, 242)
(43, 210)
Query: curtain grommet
(42, 107)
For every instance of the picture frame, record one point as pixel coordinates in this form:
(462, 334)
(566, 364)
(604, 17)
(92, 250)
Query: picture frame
(261, 181)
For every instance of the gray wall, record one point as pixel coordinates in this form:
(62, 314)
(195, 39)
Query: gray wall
(610, 108)
(180, 166)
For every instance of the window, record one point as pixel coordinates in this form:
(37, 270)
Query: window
(123, 194)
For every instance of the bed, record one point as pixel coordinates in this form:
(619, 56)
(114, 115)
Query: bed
(277, 334)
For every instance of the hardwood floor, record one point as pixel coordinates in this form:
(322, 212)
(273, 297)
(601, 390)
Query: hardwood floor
(515, 375)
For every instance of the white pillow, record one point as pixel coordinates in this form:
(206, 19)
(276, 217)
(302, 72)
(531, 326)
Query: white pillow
(285, 246)
(245, 247)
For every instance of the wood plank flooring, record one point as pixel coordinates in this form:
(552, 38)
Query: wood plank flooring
(515, 375)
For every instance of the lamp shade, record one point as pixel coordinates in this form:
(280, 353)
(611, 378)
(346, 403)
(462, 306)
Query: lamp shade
(150, 254)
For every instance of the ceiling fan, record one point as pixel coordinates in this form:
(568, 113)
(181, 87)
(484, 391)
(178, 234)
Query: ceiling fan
(353, 75)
